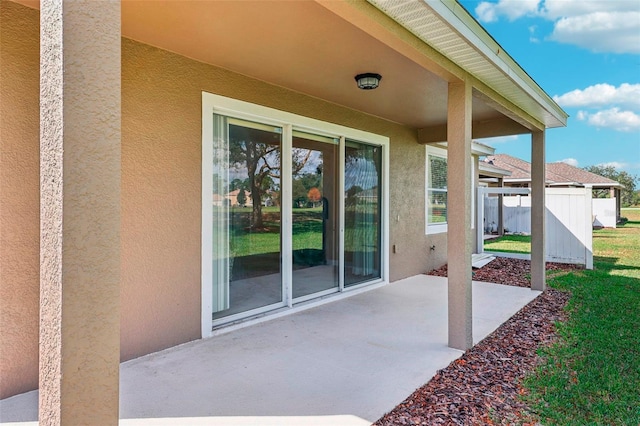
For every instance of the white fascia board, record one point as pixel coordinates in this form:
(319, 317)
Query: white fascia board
(566, 184)
(481, 149)
(455, 14)
(477, 148)
(485, 167)
(517, 180)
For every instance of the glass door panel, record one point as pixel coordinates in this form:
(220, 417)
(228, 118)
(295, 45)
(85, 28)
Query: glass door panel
(362, 221)
(315, 214)
(246, 203)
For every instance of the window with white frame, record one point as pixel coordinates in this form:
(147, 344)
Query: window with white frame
(436, 196)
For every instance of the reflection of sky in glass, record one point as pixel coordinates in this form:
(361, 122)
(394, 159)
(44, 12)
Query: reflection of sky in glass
(311, 166)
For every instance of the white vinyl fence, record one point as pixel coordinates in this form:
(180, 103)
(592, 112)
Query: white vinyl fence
(517, 213)
(568, 221)
(604, 212)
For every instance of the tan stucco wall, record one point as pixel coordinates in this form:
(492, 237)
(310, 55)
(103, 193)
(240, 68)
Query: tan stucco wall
(161, 184)
(161, 188)
(19, 198)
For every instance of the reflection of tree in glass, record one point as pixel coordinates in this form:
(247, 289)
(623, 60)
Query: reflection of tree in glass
(259, 151)
(242, 198)
(238, 183)
(218, 184)
(351, 194)
(314, 196)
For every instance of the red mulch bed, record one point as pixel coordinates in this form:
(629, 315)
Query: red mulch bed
(483, 386)
(502, 270)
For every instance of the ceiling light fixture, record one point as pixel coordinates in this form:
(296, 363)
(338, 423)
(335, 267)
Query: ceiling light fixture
(368, 81)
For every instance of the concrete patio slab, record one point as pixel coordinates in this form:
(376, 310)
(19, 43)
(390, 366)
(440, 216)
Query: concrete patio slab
(345, 362)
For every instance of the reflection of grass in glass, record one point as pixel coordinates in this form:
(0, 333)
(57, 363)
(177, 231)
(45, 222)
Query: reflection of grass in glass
(307, 228)
(353, 239)
(437, 214)
(247, 243)
(436, 218)
(361, 233)
(361, 227)
(244, 241)
(307, 231)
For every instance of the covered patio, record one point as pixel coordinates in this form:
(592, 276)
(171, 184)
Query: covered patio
(345, 362)
(111, 113)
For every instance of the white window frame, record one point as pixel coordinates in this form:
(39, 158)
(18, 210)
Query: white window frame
(432, 228)
(439, 228)
(215, 104)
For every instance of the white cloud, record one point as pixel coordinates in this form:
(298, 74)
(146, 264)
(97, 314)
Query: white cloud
(627, 95)
(532, 34)
(615, 165)
(512, 9)
(601, 26)
(570, 161)
(555, 9)
(617, 32)
(622, 121)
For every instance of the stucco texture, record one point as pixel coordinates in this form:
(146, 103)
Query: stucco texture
(161, 190)
(19, 198)
(79, 212)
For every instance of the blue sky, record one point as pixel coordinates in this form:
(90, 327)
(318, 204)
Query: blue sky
(586, 55)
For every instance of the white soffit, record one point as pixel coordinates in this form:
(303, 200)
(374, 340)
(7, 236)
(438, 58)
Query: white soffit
(447, 27)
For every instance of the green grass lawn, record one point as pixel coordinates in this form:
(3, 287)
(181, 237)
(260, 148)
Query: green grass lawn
(509, 244)
(591, 376)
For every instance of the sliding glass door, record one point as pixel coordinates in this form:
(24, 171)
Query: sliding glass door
(362, 216)
(315, 210)
(246, 216)
(292, 209)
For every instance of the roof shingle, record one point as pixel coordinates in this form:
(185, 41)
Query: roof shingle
(556, 173)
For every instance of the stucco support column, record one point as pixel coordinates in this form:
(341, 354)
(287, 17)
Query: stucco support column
(538, 211)
(501, 208)
(79, 212)
(459, 235)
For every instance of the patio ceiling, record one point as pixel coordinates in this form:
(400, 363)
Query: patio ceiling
(298, 45)
(317, 48)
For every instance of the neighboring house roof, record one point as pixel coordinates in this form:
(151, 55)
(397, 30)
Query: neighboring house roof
(519, 169)
(556, 174)
(486, 169)
(575, 174)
